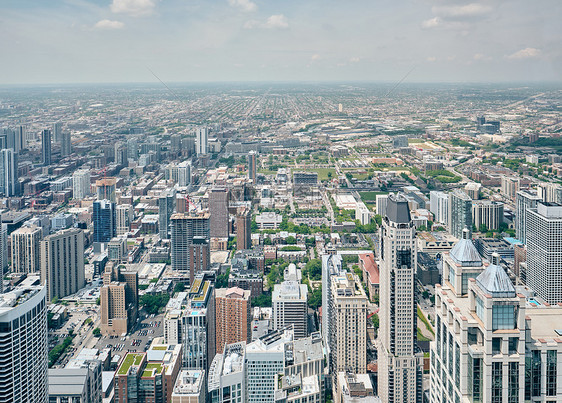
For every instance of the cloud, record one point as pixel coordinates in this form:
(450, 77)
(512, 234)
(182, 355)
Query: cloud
(277, 21)
(464, 11)
(315, 56)
(244, 5)
(527, 53)
(354, 60)
(431, 59)
(431, 23)
(109, 24)
(478, 56)
(134, 8)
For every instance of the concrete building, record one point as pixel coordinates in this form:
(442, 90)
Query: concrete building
(362, 214)
(269, 220)
(524, 200)
(104, 218)
(166, 206)
(252, 165)
(354, 388)
(233, 316)
(380, 203)
(9, 185)
(190, 387)
(473, 189)
(65, 144)
(296, 388)
(23, 345)
(218, 211)
(184, 174)
(184, 229)
(76, 385)
(202, 141)
(331, 266)
(487, 213)
(243, 229)
(124, 216)
(46, 147)
(80, 184)
(62, 263)
(509, 186)
(227, 375)
(290, 307)
(400, 361)
(544, 251)
(26, 250)
(460, 212)
(305, 178)
(118, 300)
(106, 189)
(117, 250)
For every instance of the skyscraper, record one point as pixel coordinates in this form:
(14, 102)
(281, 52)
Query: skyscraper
(124, 218)
(118, 300)
(243, 229)
(9, 185)
(524, 200)
(218, 209)
(104, 218)
(26, 250)
(80, 184)
(57, 131)
(166, 205)
(252, 165)
(233, 316)
(46, 147)
(544, 251)
(290, 307)
(106, 189)
(62, 263)
(23, 343)
(184, 174)
(460, 212)
(184, 228)
(439, 206)
(488, 213)
(65, 144)
(400, 361)
(202, 141)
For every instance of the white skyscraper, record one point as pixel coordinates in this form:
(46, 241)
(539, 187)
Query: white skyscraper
(184, 174)
(25, 249)
(202, 141)
(23, 343)
(439, 206)
(524, 200)
(400, 361)
(290, 307)
(8, 172)
(124, 217)
(81, 184)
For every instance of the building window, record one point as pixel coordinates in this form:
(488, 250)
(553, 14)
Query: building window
(513, 396)
(551, 373)
(497, 382)
(503, 317)
(480, 308)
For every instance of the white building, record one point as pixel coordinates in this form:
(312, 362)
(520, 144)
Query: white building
(227, 375)
(269, 220)
(400, 361)
(202, 141)
(81, 184)
(80, 385)
(362, 213)
(184, 174)
(381, 201)
(354, 388)
(525, 200)
(190, 387)
(439, 206)
(290, 307)
(124, 215)
(488, 213)
(26, 249)
(8, 172)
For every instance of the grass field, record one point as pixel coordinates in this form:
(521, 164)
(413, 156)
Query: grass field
(323, 173)
(370, 196)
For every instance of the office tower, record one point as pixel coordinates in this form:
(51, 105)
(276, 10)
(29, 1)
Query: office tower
(124, 218)
(199, 256)
(190, 387)
(76, 384)
(26, 243)
(184, 174)
(57, 132)
(80, 184)
(227, 375)
(104, 218)
(23, 343)
(487, 213)
(3, 252)
(400, 362)
(46, 147)
(252, 165)
(290, 307)
(9, 173)
(65, 144)
(460, 212)
(106, 189)
(184, 228)
(331, 266)
(201, 141)
(233, 316)
(243, 229)
(493, 346)
(544, 251)
(525, 200)
(166, 206)
(62, 263)
(148, 377)
(118, 300)
(121, 154)
(133, 149)
(439, 206)
(175, 143)
(21, 139)
(472, 189)
(218, 209)
(510, 186)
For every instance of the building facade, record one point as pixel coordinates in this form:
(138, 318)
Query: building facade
(104, 218)
(460, 212)
(233, 316)
(26, 249)
(290, 307)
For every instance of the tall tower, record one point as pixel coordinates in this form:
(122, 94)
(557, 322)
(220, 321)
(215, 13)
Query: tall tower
(243, 229)
(25, 250)
(104, 221)
(57, 131)
(80, 184)
(166, 205)
(202, 141)
(187, 235)
(524, 200)
(400, 362)
(65, 144)
(46, 147)
(8, 173)
(218, 208)
(252, 165)
(460, 212)
(124, 217)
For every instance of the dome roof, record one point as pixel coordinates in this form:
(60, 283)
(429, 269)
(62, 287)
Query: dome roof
(495, 281)
(464, 252)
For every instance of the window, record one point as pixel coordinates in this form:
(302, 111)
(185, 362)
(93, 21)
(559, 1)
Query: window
(551, 373)
(497, 374)
(503, 317)
(496, 345)
(480, 308)
(513, 395)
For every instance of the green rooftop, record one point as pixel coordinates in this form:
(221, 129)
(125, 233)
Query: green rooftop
(152, 369)
(202, 295)
(131, 359)
(160, 348)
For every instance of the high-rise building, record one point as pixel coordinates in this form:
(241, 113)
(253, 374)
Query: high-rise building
(76, 384)
(104, 218)
(525, 200)
(233, 316)
(124, 218)
(381, 202)
(23, 343)
(439, 206)
(133, 149)
(331, 266)
(550, 192)
(9, 185)
(80, 184)
(243, 228)
(65, 144)
(57, 132)
(62, 263)
(544, 251)
(118, 300)
(202, 141)
(121, 154)
(184, 228)
(488, 213)
(252, 165)
(510, 186)
(290, 307)
(26, 250)
(460, 212)
(184, 174)
(198, 256)
(21, 139)
(46, 147)
(218, 209)
(166, 206)
(190, 387)
(106, 189)
(400, 360)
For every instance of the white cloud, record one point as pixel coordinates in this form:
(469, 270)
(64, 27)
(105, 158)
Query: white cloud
(431, 59)
(109, 24)
(478, 56)
(315, 56)
(134, 8)
(527, 53)
(468, 10)
(244, 5)
(354, 60)
(431, 23)
(277, 21)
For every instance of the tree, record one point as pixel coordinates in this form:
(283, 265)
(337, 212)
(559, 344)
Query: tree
(222, 279)
(179, 287)
(153, 303)
(96, 332)
(315, 298)
(291, 240)
(375, 320)
(262, 301)
(267, 241)
(313, 269)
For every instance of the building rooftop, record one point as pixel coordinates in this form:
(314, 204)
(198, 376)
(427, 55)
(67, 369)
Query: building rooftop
(465, 253)
(65, 382)
(22, 293)
(131, 360)
(495, 281)
(290, 290)
(189, 382)
(397, 209)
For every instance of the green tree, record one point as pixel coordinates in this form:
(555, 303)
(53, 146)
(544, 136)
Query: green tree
(153, 303)
(315, 298)
(179, 287)
(96, 332)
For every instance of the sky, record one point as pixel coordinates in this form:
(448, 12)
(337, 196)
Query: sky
(107, 41)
